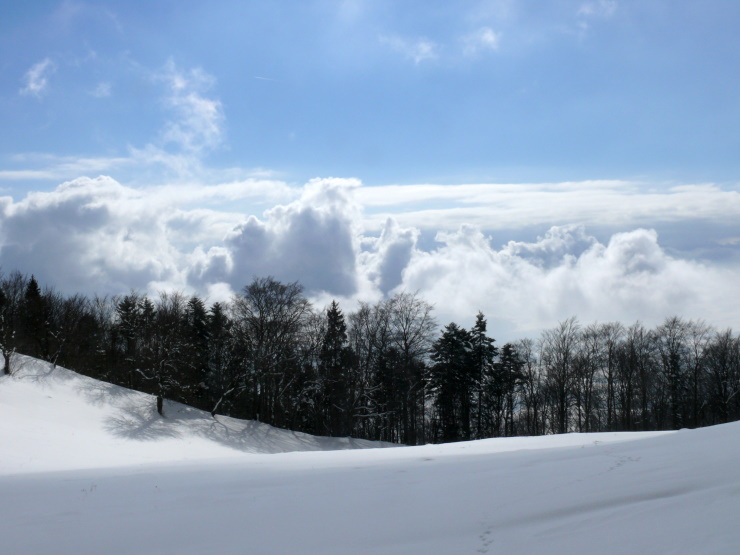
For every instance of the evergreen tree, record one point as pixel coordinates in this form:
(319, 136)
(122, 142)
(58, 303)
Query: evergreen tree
(197, 339)
(35, 321)
(127, 327)
(6, 332)
(335, 374)
(452, 381)
(482, 356)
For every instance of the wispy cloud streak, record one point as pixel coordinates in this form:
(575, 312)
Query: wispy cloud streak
(37, 78)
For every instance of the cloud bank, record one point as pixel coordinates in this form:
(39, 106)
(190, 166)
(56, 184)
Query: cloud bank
(99, 236)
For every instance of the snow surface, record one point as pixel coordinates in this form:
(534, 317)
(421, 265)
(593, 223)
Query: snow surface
(87, 467)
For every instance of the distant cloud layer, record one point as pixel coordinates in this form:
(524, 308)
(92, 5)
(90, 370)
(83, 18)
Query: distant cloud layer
(96, 235)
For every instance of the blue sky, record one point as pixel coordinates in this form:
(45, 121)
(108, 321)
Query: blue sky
(560, 91)
(421, 123)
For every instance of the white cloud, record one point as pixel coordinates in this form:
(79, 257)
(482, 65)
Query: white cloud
(507, 206)
(601, 8)
(418, 50)
(314, 240)
(526, 287)
(195, 127)
(384, 259)
(597, 9)
(199, 120)
(21, 175)
(482, 40)
(96, 235)
(61, 167)
(37, 78)
(102, 90)
(92, 234)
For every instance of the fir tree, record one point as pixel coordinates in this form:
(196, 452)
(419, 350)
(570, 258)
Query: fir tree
(197, 339)
(452, 381)
(483, 354)
(335, 359)
(35, 321)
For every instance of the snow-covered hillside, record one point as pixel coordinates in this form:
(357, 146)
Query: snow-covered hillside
(62, 420)
(87, 467)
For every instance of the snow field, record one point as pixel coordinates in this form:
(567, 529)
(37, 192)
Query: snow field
(86, 467)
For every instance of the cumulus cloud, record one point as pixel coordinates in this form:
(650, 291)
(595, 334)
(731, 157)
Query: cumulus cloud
(385, 258)
(97, 235)
(417, 50)
(313, 240)
(37, 78)
(558, 243)
(526, 287)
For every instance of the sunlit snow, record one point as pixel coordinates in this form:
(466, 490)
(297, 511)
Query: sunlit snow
(87, 467)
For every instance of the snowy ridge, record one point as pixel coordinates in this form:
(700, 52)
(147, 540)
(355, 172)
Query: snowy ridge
(89, 468)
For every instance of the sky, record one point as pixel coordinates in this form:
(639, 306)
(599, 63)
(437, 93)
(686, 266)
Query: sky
(530, 160)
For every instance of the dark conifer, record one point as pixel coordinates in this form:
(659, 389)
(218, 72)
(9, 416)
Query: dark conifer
(335, 358)
(483, 354)
(35, 321)
(451, 381)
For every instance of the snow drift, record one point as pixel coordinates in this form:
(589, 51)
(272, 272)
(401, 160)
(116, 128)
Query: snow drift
(87, 467)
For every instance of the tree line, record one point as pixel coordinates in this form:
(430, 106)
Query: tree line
(383, 372)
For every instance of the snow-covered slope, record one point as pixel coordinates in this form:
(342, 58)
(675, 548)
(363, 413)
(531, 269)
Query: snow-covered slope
(56, 419)
(89, 468)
